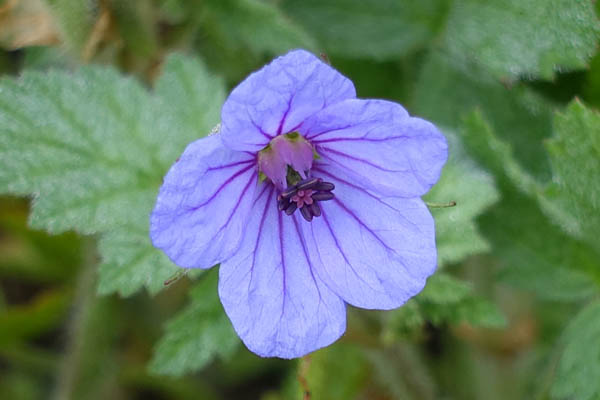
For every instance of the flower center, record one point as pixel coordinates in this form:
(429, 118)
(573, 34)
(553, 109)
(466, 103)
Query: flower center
(305, 196)
(287, 161)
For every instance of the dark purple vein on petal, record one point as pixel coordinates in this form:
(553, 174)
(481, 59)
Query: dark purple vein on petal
(361, 223)
(317, 134)
(221, 167)
(227, 182)
(361, 139)
(339, 247)
(360, 160)
(285, 114)
(281, 247)
(310, 266)
(237, 204)
(260, 228)
(265, 134)
(361, 189)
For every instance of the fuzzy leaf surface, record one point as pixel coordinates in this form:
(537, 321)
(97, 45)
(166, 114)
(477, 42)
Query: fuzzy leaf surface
(514, 38)
(90, 148)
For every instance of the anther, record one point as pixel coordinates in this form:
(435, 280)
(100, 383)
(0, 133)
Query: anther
(282, 204)
(323, 196)
(324, 186)
(315, 209)
(305, 211)
(308, 184)
(289, 192)
(305, 195)
(291, 208)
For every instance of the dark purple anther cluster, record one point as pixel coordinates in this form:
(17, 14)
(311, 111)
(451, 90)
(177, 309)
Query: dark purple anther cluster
(305, 195)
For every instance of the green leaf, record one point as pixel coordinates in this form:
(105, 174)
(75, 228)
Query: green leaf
(473, 190)
(448, 300)
(574, 196)
(442, 288)
(578, 369)
(190, 102)
(378, 29)
(260, 25)
(553, 265)
(91, 148)
(75, 143)
(197, 334)
(445, 94)
(444, 300)
(514, 38)
(130, 262)
(495, 154)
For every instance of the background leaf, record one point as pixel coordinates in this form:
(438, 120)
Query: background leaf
(562, 267)
(575, 156)
(96, 162)
(198, 333)
(378, 29)
(473, 190)
(578, 369)
(258, 24)
(513, 38)
(446, 93)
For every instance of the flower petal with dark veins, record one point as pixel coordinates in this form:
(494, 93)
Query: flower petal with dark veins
(378, 145)
(278, 98)
(277, 303)
(203, 204)
(373, 252)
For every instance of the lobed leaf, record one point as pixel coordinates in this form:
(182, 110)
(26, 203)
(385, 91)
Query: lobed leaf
(197, 334)
(529, 245)
(95, 160)
(573, 198)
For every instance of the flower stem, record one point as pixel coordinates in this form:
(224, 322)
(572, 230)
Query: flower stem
(302, 372)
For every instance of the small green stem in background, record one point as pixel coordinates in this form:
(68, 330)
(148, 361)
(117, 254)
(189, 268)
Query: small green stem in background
(441, 205)
(85, 297)
(302, 372)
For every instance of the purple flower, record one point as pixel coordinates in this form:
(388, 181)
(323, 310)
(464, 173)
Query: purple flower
(309, 198)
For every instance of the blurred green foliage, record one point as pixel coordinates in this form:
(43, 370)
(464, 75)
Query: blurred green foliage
(513, 310)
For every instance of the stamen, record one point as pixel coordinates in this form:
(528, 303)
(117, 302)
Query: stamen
(315, 209)
(282, 203)
(305, 211)
(305, 195)
(291, 208)
(323, 196)
(324, 186)
(308, 184)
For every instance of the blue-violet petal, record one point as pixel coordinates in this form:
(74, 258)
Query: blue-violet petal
(277, 303)
(278, 97)
(203, 204)
(376, 143)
